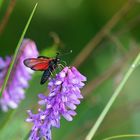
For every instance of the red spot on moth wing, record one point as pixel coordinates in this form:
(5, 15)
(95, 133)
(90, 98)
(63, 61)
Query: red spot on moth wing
(37, 64)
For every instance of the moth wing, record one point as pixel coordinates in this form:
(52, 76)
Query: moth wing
(45, 76)
(37, 64)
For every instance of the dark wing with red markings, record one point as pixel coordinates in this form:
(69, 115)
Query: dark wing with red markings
(45, 76)
(38, 64)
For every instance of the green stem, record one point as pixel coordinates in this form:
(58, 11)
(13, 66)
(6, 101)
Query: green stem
(112, 99)
(16, 51)
(122, 136)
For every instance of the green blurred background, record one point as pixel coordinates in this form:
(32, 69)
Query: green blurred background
(77, 22)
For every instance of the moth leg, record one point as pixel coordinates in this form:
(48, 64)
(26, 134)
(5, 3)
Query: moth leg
(54, 69)
(65, 64)
(51, 73)
(61, 66)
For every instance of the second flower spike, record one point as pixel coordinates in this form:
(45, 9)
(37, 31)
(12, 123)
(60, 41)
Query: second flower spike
(19, 76)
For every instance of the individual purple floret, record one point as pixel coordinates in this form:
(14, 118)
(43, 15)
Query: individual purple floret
(64, 96)
(18, 80)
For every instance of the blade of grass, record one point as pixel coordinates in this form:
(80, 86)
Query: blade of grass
(17, 49)
(123, 136)
(95, 127)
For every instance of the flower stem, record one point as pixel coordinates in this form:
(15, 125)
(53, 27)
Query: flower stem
(122, 136)
(112, 99)
(16, 51)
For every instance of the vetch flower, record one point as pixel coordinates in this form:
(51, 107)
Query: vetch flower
(62, 100)
(18, 80)
(4, 64)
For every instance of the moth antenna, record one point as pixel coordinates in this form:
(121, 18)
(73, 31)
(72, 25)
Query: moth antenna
(54, 70)
(64, 53)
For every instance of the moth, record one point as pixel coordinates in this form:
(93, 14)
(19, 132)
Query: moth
(43, 63)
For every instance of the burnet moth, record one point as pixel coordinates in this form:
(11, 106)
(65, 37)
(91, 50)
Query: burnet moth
(43, 63)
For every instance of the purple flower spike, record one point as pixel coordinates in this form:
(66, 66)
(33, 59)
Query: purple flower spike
(18, 80)
(62, 100)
